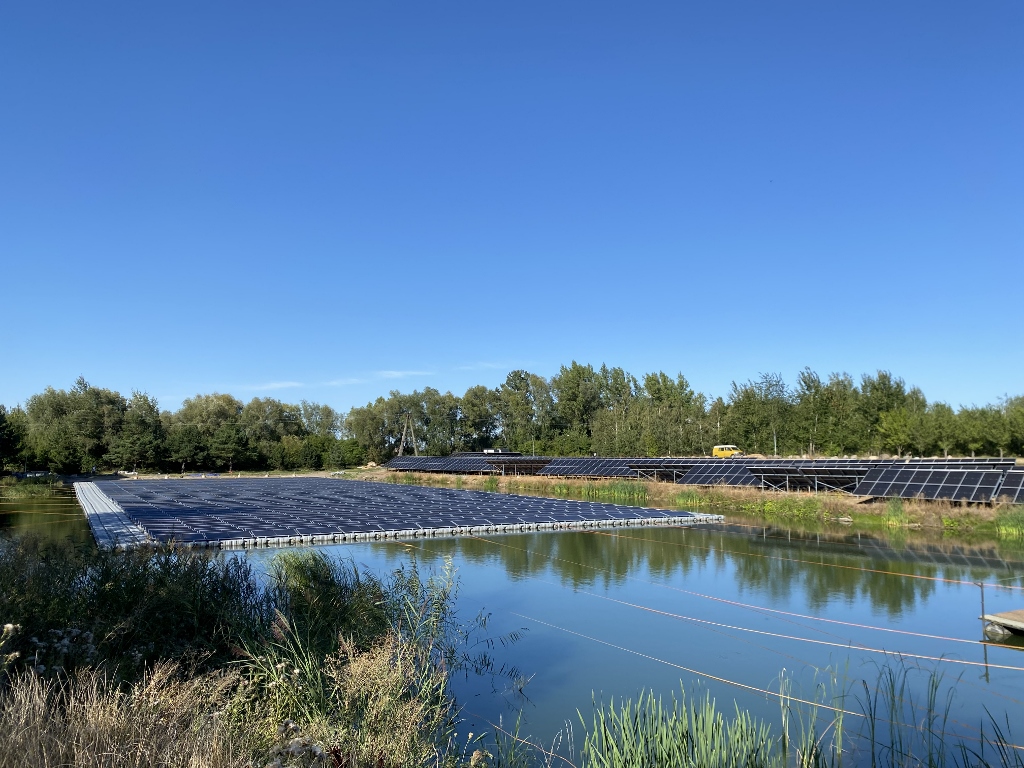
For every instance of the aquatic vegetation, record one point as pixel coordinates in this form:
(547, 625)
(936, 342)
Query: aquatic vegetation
(1010, 524)
(29, 487)
(895, 514)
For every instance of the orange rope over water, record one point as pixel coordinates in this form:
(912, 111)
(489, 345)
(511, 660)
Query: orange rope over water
(547, 753)
(829, 621)
(733, 683)
(743, 605)
(696, 672)
(712, 627)
(796, 560)
(848, 643)
(803, 639)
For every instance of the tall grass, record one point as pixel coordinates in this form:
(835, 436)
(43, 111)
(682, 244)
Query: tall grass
(895, 515)
(898, 728)
(159, 657)
(1010, 524)
(29, 487)
(683, 733)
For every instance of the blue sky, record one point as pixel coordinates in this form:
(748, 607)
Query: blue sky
(331, 200)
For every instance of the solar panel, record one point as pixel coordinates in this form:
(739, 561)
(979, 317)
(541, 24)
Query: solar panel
(907, 478)
(589, 467)
(206, 512)
(719, 472)
(931, 482)
(1012, 488)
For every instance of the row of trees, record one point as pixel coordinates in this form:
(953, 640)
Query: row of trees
(579, 411)
(87, 427)
(611, 412)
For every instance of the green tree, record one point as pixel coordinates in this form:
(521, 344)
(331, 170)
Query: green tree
(894, 428)
(369, 427)
(878, 394)
(141, 440)
(68, 431)
(577, 396)
(10, 444)
(516, 412)
(759, 414)
(228, 445)
(346, 453)
(319, 420)
(186, 445)
(479, 415)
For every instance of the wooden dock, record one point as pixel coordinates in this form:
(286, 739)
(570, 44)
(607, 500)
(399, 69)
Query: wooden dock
(1010, 620)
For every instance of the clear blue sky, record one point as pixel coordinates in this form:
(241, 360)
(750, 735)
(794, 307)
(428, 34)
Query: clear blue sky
(330, 200)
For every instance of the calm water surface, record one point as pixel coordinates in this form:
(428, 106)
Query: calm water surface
(614, 613)
(57, 517)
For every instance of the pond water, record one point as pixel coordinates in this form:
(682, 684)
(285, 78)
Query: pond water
(727, 608)
(610, 614)
(58, 516)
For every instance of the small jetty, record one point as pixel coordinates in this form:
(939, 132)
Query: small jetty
(1001, 625)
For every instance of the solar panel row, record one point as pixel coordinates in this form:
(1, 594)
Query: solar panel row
(935, 482)
(857, 476)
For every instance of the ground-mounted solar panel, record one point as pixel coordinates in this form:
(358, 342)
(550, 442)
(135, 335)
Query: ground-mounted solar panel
(931, 482)
(1012, 488)
(719, 472)
(588, 467)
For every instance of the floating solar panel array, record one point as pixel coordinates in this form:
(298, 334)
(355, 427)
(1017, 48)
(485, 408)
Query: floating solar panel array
(862, 477)
(284, 511)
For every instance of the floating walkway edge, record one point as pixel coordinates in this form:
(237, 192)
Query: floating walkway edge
(472, 530)
(110, 526)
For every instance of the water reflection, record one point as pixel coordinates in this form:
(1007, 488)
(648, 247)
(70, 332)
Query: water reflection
(54, 517)
(776, 568)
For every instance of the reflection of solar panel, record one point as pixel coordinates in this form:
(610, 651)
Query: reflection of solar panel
(209, 511)
(930, 482)
(1012, 489)
(719, 472)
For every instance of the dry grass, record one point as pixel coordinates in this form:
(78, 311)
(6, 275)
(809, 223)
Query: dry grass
(163, 720)
(940, 515)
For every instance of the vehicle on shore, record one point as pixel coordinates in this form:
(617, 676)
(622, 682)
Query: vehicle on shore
(726, 451)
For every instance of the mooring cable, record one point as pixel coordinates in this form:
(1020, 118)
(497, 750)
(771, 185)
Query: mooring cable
(698, 594)
(804, 639)
(712, 628)
(797, 560)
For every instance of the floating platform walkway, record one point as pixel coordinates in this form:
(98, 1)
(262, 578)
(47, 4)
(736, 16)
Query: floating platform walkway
(109, 523)
(279, 512)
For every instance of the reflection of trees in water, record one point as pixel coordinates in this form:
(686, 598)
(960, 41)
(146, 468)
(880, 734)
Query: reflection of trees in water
(52, 518)
(766, 569)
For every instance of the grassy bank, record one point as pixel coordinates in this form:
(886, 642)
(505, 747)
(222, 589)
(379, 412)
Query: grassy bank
(176, 658)
(29, 487)
(164, 657)
(994, 522)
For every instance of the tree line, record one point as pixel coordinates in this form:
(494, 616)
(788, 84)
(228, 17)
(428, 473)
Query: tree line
(87, 427)
(577, 412)
(610, 412)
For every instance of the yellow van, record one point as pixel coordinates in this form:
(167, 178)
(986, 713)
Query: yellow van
(725, 451)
